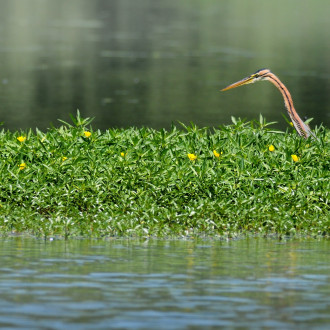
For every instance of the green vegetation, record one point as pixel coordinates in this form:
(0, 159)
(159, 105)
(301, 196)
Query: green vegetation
(239, 179)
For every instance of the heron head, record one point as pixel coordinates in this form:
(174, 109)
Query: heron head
(258, 75)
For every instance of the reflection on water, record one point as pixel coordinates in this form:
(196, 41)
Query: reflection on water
(153, 62)
(160, 284)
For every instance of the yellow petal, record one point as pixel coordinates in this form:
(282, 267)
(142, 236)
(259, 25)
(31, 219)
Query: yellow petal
(21, 138)
(192, 156)
(216, 154)
(295, 158)
(22, 166)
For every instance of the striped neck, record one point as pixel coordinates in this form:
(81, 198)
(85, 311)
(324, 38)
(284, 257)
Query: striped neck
(300, 126)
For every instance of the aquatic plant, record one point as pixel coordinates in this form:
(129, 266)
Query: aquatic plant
(140, 181)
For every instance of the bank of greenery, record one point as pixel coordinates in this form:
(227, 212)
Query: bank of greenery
(243, 178)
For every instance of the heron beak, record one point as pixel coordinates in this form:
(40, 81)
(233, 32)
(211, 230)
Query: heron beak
(247, 80)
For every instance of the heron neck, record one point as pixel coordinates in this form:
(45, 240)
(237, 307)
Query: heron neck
(299, 125)
(285, 93)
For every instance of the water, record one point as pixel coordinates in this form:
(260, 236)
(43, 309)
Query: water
(159, 284)
(151, 63)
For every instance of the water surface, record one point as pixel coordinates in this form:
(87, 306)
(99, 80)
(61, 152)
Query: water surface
(151, 63)
(157, 284)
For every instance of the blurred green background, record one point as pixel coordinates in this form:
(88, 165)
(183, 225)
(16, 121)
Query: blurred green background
(151, 63)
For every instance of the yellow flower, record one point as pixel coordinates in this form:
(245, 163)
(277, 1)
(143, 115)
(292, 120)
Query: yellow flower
(192, 156)
(291, 123)
(21, 138)
(22, 166)
(295, 158)
(122, 154)
(64, 158)
(216, 154)
(87, 134)
(271, 148)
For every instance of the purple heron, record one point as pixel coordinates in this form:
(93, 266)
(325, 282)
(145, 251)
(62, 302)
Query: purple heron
(265, 74)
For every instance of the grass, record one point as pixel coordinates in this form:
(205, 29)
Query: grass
(234, 180)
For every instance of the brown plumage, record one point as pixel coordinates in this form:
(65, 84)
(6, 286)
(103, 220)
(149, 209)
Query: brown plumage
(265, 74)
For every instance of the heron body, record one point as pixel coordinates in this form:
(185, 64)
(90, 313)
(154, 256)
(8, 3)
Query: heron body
(265, 74)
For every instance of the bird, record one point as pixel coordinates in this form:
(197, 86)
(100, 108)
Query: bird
(265, 74)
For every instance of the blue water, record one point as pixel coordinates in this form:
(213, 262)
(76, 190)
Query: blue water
(164, 284)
